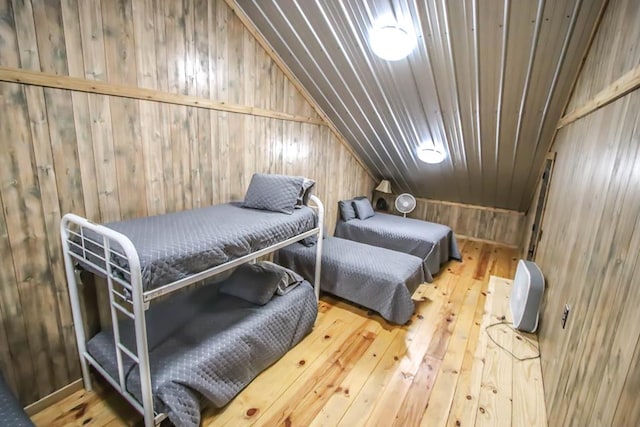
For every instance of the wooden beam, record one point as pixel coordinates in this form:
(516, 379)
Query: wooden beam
(477, 207)
(619, 88)
(17, 75)
(456, 204)
(287, 72)
(585, 53)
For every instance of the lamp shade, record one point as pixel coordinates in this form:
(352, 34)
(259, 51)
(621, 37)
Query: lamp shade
(384, 186)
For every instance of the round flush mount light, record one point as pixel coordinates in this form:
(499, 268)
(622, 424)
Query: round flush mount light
(391, 42)
(430, 154)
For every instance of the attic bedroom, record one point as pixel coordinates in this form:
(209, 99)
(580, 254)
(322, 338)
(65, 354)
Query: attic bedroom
(248, 212)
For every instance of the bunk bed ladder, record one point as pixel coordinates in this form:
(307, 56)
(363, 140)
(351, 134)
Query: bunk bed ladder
(117, 306)
(141, 358)
(117, 302)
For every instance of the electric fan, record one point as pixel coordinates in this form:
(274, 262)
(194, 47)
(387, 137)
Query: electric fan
(526, 295)
(405, 203)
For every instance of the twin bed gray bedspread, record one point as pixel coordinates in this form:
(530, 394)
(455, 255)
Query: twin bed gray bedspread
(207, 345)
(377, 278)
(176, 245)
(11, 413)
(435, 244)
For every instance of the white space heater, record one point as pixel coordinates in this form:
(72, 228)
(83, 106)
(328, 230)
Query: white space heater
(526, 296)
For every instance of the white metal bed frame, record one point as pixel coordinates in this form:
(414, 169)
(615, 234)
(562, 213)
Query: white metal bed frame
(125, 288)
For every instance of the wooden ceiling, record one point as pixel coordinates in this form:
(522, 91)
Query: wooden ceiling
(487, 83)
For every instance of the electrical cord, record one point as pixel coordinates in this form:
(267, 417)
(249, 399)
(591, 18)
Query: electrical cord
(527, 340)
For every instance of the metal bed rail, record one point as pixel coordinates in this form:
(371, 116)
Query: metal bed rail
(126, 294)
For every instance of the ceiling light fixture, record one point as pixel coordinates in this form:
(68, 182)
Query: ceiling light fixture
(391, 42)
(430, 154)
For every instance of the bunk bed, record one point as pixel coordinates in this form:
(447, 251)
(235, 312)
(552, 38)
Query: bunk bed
(434, 243)
(146, 258)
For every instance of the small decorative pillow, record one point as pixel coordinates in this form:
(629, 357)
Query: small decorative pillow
(303, 198)
(289, 278)
(276, 193)
(347, 213)
(363, 208)
(253, 283)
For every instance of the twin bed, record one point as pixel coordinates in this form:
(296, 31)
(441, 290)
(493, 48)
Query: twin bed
(376, 278)
(433, 243)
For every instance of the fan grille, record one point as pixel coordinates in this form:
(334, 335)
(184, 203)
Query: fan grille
(405, 203)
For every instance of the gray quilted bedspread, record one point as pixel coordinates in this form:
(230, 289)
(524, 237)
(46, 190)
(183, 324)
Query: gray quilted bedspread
(377, 278)
(175, 245)
(434, 243)
(205, 347)
(11, 413)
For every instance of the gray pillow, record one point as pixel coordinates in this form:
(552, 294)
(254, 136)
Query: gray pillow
(347, 212)
(253, 283)
(303, 198)
(363, 208)
(276, 193)
(289, 279)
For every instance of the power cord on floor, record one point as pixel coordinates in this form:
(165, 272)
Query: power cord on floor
(527, 340)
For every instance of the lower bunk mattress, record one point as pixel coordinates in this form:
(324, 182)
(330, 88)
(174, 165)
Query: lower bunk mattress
(376, 278)
(207, 346)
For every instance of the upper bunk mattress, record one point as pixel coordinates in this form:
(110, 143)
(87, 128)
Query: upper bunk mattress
(176, 245)
(434, 243)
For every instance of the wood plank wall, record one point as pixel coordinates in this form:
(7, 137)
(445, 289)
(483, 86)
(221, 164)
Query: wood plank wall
(111, 157)
(475, 222)
(590, 248)
(529, 218)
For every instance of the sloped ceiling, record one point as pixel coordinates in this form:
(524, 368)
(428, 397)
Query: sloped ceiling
(487, 82)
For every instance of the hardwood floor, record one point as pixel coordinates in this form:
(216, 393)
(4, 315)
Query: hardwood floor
(357, 369)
